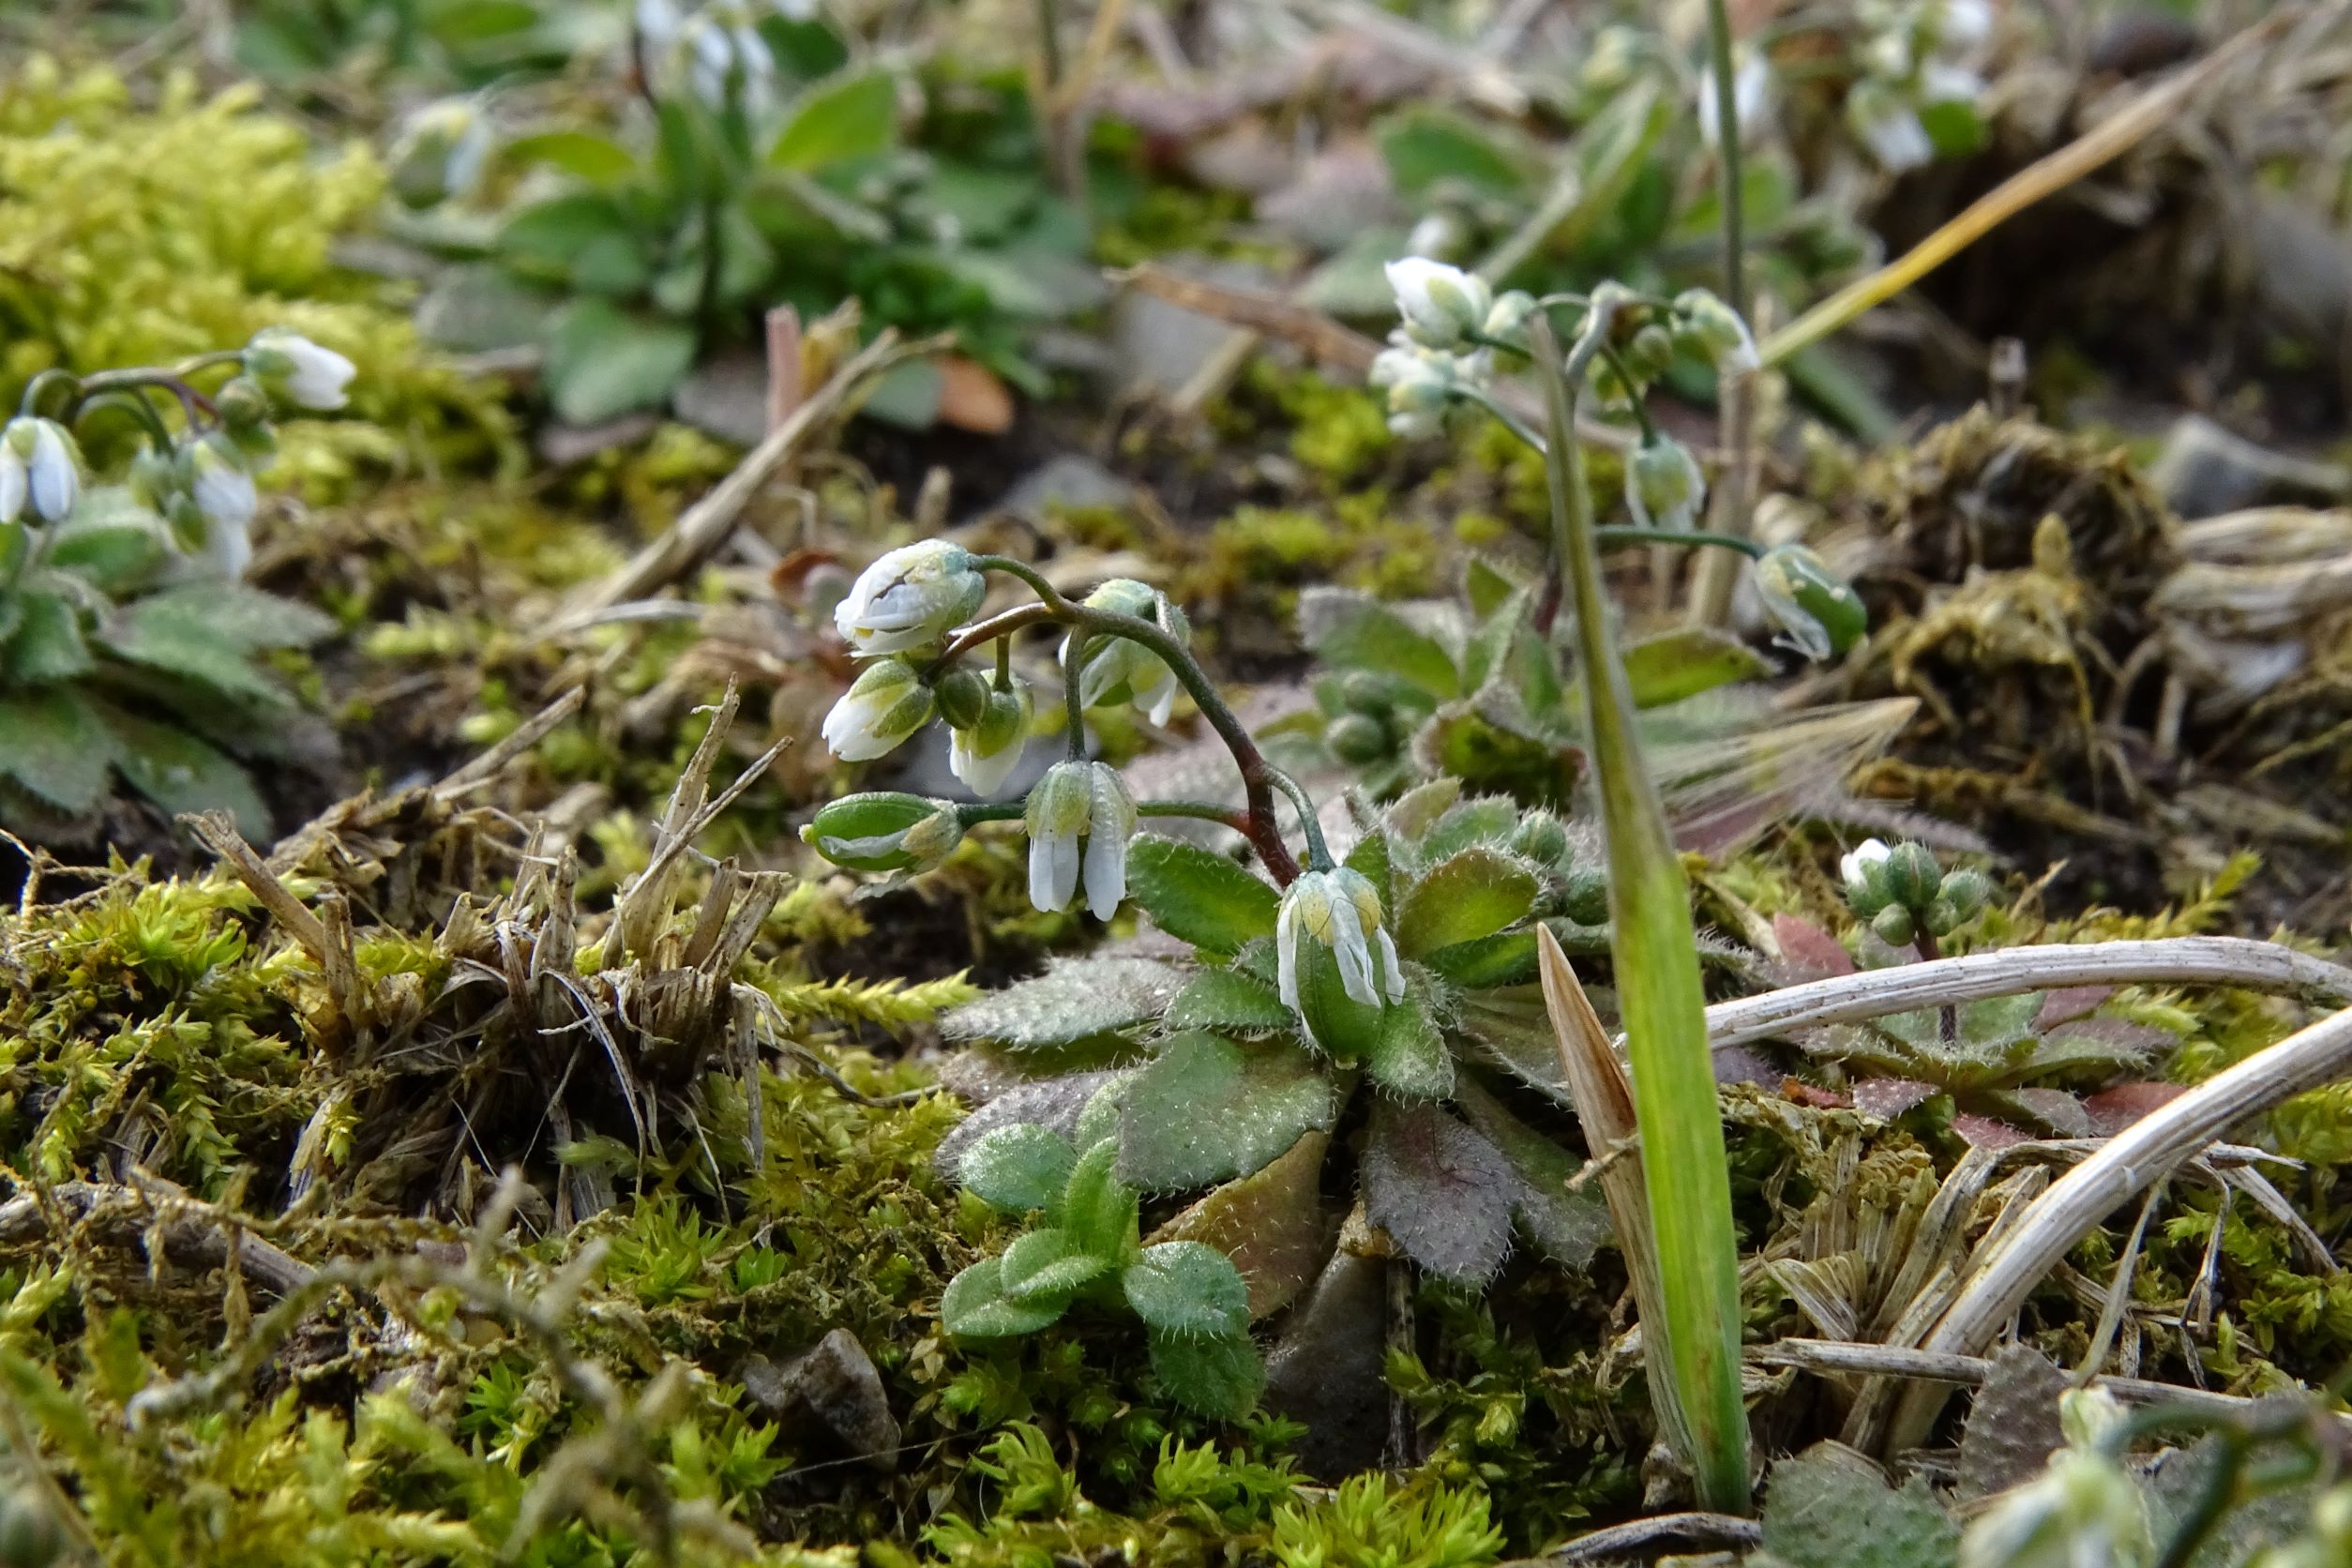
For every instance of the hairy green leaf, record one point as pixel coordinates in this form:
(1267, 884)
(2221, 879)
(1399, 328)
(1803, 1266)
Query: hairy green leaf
(1472, 893)
(1343, 627)
(182, 774)
(1205, 1110)
(602, 361)
(853, 115)
(1046, 1265)
(1684, 662)
(1408, 1053)
(1097, 1208)
(47, 644)
(1073, 1000)
(1187, 1290)
(53, 744)
(1566, 1225)
(1484, 819)
(1198, 895)
(1229, 1001)
(975, 1306)
(1019, 1168)
(1830, 1507)
(1220, 1379)
(1506, 959)
(1442, 1190)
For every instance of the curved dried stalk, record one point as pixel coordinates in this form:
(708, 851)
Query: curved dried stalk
(2131, 1161)
(2256, 966)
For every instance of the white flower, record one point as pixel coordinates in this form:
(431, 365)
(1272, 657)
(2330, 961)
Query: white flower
(1664, 486)
(658, 24)
(1960, 25)
(1751, 97)
(797, 10)
(224, 493)
(297, 369)
(1889, 126)
(1119, 669)
(38, 462)
(912, 596)
(1717, 330)
(886, 703)
(1080, 819)
(984, 754)
(725, 55)
(1440, 304)
(1420, 384)
(1943, 83)
(1858, 866)
(440, 152)
(1331, 919)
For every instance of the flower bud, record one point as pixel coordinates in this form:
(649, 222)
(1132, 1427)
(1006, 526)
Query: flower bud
(1663, 488)
(962, 696)
(1507, 322)
(1819, 615)
(1079, 820)
(1894, 926)
(1441, 304)
(1912, 876)
(39, 463)
(885, 831)
(1584, 895)
(1358, 739)
(1888, 126)
(1714, 332)
(296, 370)
(1120, 670)
(886, 703)
(1862, 869)
(1542, 837)
(1336, 962)
(1364, 692)
(1420, 384)
(30, 1536)
(912, 596)
(243, 405)
(1966, 892)
(1650, 353)
(440, 152)
(984, 754)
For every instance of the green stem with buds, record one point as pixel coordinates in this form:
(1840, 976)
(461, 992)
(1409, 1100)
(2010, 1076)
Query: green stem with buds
(1692, 1348)
(1260, 777)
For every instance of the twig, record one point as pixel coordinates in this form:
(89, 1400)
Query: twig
(528, 734)
(2046, 176)
(701, 526)
(2256, 966)
(1656, 1536)
(2136, 1159)
(192, 1240)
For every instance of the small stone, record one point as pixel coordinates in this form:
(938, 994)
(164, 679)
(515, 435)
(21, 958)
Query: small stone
(2205, 471)
(833, 1390)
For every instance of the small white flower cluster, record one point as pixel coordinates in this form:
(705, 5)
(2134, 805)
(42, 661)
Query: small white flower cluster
(715, 50)
(1919, 53)
(39, 465)
(1452, 318)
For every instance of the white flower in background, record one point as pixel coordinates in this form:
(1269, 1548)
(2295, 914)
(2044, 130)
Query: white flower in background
(725, 55)
(1441, 304)
(1664, 486)
(1437, 234)
(1889, 126)
(1943, 83)
(440, 152)
(886, 703)
(984, 755)
(1420, 384)
(39, 463)
(1751, 98)
(294, 368)
(1080, 819)
(1332, 920)
(1961, 25)
(1860, 866)
(912, 595)
(1506, 320)
(657, 23)
(1716, 330)
(226, 499)
(797, 10)
(1119, 669)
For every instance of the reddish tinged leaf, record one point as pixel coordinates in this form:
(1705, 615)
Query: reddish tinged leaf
(2126, 1102)
(1818, 1098)
(2059, 1113)
(1739, 1065)
(1441, 1189)
(1983, 1132)
(1888, 1097)
(1808, 951)
(2069, 1001)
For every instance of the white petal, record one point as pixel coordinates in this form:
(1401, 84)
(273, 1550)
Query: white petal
(1393, 976)
(1106, 873)
(12, 486)
(1065, 854)
(1042, 892)
(1355, 959)
(984, 776)
(1287, 954)
(1158, 699)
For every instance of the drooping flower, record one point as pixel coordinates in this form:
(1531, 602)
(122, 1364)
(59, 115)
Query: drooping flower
(1335, 963)
(292, 366)
(1819, 613)
(39, 463)
(1121, 670)
(984, 754)
(912, 595)
(1889, 126)
(1664, 486)
(886, 703)
(1751, 96)
(225, 500)
(1860, 867)
(1441, 304)
(1420, 384)
(885, 830)
(726, 58)
(440, 152)
(1715, 330)
(1080, 819)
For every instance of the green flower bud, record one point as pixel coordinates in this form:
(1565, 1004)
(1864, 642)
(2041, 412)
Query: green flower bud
(1818, 614)
(1650, 353)
(243, 405)
(1542, 837)
(1941, 918)
(1358, 739)
(885, 831)
(1966, 892)
(1584, 895)
(962, 696)
(1664, 486)
(1362, 691)
(1714, 332)
(1894, 926)
(1912, 876)
(984, 755)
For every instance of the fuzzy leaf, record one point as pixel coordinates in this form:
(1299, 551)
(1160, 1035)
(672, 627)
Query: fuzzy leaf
(1408, 1052)
(162, 635)
(1442, 1190)
(1187, 1290)
(1829, 1507)
(1505, 958)
(975, 1306)
(53, 744)
(2012, 1423)
(1229, 1001)
(1198, 895)
(1417, 811)
(1487, 820)
(1568, 1225)
(181, 774)
(853, 115)
(1347, 628)
(1054, 1102)
(1046, 1265)
(110, 542)
(603, 361)
(1685, 662)
(46, 645)
(1220, 1379)
(1472, 893)
(1371, 860)
(1073, 1000)
(1270, 1224)
(1019, 1168)
(244, 618)
(1205, 1110)
(1099, 1209)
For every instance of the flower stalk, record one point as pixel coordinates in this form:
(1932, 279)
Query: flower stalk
(1695, 1358)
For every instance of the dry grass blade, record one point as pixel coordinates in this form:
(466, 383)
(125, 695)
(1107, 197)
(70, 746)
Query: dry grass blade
(1604, 1108)
(2134, 1160)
